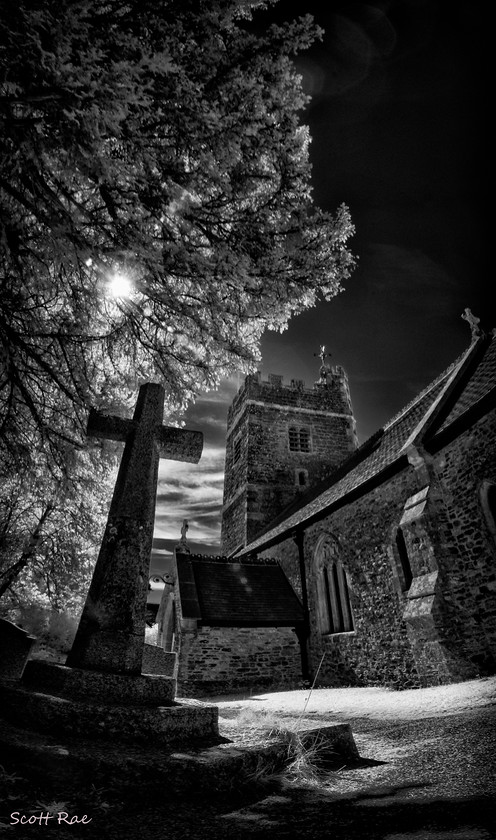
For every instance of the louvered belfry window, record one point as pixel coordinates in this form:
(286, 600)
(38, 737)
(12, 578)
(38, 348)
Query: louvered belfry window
(299, 439)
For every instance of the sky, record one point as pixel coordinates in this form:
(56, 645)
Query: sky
(398, 120)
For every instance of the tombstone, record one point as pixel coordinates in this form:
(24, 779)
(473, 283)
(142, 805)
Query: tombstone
(15, 647)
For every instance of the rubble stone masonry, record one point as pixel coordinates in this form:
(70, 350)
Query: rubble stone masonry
(216, 660)
(281, 440)
(441, 626)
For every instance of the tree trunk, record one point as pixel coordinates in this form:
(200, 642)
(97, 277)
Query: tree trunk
(14, 571)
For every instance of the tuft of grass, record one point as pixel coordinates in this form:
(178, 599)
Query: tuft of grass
(253, 726)
(263, 720)
(310, 759)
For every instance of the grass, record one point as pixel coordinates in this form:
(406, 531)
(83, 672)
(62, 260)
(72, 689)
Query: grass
(310, 760)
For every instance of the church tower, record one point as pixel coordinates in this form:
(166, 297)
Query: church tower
(281, 440)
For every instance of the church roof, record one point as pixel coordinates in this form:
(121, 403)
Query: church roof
(216, 591)
(450, 404)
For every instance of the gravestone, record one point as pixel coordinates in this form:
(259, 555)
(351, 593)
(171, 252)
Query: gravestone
(15, 647)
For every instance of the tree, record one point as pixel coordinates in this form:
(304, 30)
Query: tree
(50, 529)
(161, 141)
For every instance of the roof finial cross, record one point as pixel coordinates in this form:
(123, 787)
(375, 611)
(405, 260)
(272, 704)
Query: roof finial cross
(473, 322)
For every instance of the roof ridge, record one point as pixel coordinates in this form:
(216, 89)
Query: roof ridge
(423, 393)
(224, 559)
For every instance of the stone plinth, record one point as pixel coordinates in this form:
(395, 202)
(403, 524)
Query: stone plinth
(160, 725)
(105, 688)
(156, 660)
(74, 702)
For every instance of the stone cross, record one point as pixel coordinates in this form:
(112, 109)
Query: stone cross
(111, 631)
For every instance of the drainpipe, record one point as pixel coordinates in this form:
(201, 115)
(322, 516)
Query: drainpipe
(303, 632)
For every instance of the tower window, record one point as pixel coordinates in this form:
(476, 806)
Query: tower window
(304, 440)
(301, 478)
(299, 439)
(294, 440)
(334, 606)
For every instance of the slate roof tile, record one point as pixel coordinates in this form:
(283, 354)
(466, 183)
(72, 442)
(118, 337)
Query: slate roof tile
(479, 384)
(229, 593)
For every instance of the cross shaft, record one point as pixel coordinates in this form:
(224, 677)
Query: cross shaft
(110, 635)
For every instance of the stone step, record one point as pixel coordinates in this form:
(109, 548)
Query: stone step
(104, 687)
(176, 723)
(152, 771)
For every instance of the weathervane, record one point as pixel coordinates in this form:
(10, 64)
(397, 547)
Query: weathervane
(324, 369)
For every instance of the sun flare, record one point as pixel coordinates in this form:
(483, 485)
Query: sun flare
(120, 286)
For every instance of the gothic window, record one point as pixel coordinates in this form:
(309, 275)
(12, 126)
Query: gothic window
(333, 602)
(237, 449)
(299, 439)
(404, 559)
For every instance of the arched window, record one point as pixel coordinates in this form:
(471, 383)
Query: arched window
(404, 559)
(488, 502)
(333, 600)
(299, 439)
(301, 478)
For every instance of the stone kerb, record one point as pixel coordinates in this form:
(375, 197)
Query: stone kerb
(15, 648)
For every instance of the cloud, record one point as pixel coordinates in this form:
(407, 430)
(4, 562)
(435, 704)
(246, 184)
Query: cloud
(193, 492)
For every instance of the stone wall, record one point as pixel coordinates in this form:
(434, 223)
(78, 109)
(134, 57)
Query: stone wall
(220, 660)
(466, 545)
(440, 626)
(263, 474)
(377, 650)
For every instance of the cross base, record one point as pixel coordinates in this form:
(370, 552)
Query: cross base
(165, 726)
(98, 686)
